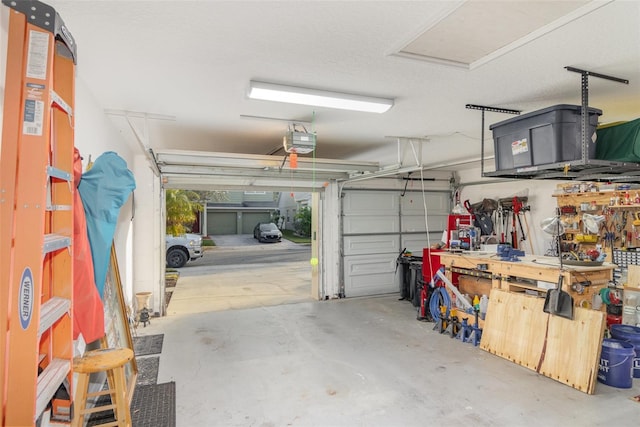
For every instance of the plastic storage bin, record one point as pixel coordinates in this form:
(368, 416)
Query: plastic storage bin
(550, 135)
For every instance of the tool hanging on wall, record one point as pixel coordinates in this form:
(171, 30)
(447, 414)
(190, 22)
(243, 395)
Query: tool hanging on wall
(483, 215)
(514, 231)
(501, 219)
(517, 206)
(557, 301)
(526, 223)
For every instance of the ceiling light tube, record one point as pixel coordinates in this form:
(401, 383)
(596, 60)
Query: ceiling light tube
(318, 98)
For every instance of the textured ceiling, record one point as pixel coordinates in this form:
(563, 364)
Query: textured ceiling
(477, 29)
(194, 60)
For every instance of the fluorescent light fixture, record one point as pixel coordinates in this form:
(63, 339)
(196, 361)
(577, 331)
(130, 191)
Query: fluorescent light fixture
(318, 98)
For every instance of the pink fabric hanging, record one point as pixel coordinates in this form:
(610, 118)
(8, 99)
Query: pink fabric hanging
(88, 311)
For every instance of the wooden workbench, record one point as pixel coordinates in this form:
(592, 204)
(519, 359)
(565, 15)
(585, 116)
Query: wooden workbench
(527, 274)
(517, 328)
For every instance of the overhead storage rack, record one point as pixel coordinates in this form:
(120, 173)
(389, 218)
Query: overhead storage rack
(582, 168)
(578, 170)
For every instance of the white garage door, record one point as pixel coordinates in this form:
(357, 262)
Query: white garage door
(376, 226)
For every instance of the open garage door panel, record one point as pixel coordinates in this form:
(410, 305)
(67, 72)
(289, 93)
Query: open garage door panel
(377, 225)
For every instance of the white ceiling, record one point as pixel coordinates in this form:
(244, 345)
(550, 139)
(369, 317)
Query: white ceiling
(193, 60)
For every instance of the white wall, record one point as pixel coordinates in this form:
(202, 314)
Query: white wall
(148, 245)
(94, 135)
(539, 193)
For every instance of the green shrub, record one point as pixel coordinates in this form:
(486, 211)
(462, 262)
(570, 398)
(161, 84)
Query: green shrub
(302, 222)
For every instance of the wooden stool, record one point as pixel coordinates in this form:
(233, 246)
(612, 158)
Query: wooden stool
(111, 360)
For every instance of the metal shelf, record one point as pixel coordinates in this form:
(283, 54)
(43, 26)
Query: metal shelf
(577, 170)
(584, 168)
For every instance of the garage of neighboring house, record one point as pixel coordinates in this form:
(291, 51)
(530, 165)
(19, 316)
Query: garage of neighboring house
(238, 220)
(242, 210)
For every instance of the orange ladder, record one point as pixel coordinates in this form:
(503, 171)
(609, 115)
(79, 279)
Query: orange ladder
(36, 211)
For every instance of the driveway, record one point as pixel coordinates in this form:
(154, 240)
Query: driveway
(241, 273)
(247, 242)
(244, 250)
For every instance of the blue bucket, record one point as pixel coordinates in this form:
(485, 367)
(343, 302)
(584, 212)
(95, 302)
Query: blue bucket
(630, 334)
(616, 363)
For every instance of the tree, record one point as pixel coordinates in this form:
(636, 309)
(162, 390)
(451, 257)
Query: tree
(302, 222)
(212, 196)
(182, 206)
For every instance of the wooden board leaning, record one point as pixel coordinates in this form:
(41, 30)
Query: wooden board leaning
(568, 351)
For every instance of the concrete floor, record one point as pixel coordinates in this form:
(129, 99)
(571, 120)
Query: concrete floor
(353, 362)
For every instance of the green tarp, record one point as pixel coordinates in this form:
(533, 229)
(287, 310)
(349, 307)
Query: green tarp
(619, 142)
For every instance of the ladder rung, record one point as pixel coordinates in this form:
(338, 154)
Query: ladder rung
(49, 381)
(53, 242)
(102, 408)
(58, 173)
(57, 100)
(111, 424)
(51, 311)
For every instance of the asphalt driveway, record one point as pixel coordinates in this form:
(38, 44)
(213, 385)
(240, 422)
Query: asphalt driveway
(246, 241)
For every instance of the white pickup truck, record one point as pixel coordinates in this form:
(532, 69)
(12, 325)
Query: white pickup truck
(180, 249)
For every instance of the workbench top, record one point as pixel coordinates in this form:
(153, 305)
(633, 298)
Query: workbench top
(470, 259)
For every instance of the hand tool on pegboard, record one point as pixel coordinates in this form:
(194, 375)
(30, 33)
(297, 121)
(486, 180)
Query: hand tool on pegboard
(526, 223)
(514, 231)
(519, 208)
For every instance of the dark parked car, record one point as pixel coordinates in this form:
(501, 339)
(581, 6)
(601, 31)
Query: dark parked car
(267, 232)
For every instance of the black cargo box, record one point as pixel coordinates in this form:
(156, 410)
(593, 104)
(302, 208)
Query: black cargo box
(550, 135)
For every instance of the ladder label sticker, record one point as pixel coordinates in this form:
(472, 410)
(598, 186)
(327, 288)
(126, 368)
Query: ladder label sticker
(37, 55)
(33, 117)
(33, 110)
(25, 298)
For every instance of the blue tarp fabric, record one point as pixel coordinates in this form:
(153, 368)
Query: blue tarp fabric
(104, 189)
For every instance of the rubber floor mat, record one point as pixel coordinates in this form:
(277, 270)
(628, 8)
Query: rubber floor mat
(148, 344)
(147, 370)
(154, 405)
